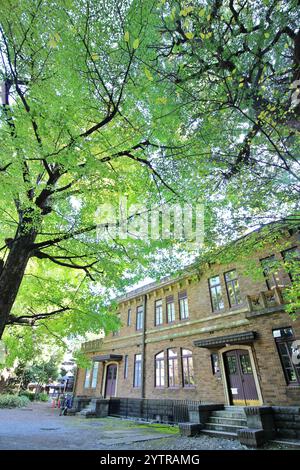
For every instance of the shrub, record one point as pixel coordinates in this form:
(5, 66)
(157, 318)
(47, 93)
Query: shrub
(42, 397)
(26, 393)
(13, 401)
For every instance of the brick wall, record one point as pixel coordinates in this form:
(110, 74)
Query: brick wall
(201, 324)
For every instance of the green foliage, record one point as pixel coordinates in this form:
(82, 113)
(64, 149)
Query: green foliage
(26, 393)
(42, 397)
(159, 101)
(13, 401)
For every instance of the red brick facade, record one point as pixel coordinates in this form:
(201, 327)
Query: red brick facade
(258, 312)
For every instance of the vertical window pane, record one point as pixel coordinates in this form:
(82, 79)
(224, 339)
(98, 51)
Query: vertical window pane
(87, 378)
(233, 288)
(160, 370)
(95, 374)
(158, 312)
(183, 306)
(137, 371)
(187, 368)
(216, 293)
(173, 368)
(139, 317)
(170, 311)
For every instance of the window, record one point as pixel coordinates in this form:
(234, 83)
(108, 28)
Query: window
(216, 293)
(187, 368)
(116, 333)
(291, 259)
(272, 275)
(233, 288)
(232, 365)
(95, 374)
(125, 367)
(173, 368)
(183, 305)
(170, 309)
(245, 364)
(289, 353)
(129, 317)
(215, 364)
(158, 312)
(137, 379)
(139, 317)
(160, 369)
(87, 378)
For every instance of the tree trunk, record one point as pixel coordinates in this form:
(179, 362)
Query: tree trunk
(13, 272)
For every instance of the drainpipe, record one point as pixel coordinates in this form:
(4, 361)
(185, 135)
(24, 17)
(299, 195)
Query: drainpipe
(144, 348)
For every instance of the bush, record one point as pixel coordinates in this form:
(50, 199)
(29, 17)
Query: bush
(42, 397)
(26, 393)
(13, 401)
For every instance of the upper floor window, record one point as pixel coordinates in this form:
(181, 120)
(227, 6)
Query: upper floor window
(125, 367)
(139, 317)
(291, 260)
(173, 372)
(160, 369)
(87, 378)
(129, 317)
(137, 377)
(187, 368)
(170, 309)
(158, 312)
(289, 353)
(216, 293)
(233, 288)
(95, 374)
(183, 305)
(271, 272)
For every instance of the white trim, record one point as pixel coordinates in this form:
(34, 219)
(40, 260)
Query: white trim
(104, 377)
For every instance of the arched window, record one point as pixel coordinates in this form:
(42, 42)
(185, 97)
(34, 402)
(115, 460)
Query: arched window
(187, 368)
(160, 369)
(173, 368)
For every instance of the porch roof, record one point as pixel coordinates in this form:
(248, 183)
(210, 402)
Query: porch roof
(221, 341)
(107, 357)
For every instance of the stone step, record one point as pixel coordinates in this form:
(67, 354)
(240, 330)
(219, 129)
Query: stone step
(220, 434)
(233, 421)
(232, 407)
(228, 414)
(223, 427)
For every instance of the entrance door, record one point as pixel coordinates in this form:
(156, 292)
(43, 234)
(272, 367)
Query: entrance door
(240, 379)
(111, 379)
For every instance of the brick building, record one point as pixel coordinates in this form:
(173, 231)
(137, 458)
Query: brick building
(216, 335)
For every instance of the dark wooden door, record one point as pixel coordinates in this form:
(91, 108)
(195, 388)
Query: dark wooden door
(111, 380)
(240, 379)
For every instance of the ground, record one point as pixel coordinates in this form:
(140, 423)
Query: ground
(39, 426)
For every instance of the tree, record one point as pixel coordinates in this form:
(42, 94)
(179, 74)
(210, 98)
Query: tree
(80, 125)
(236, 67)
(159, 101)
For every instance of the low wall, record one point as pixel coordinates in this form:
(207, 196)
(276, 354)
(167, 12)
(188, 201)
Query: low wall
(287, 421)
(165, 411)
